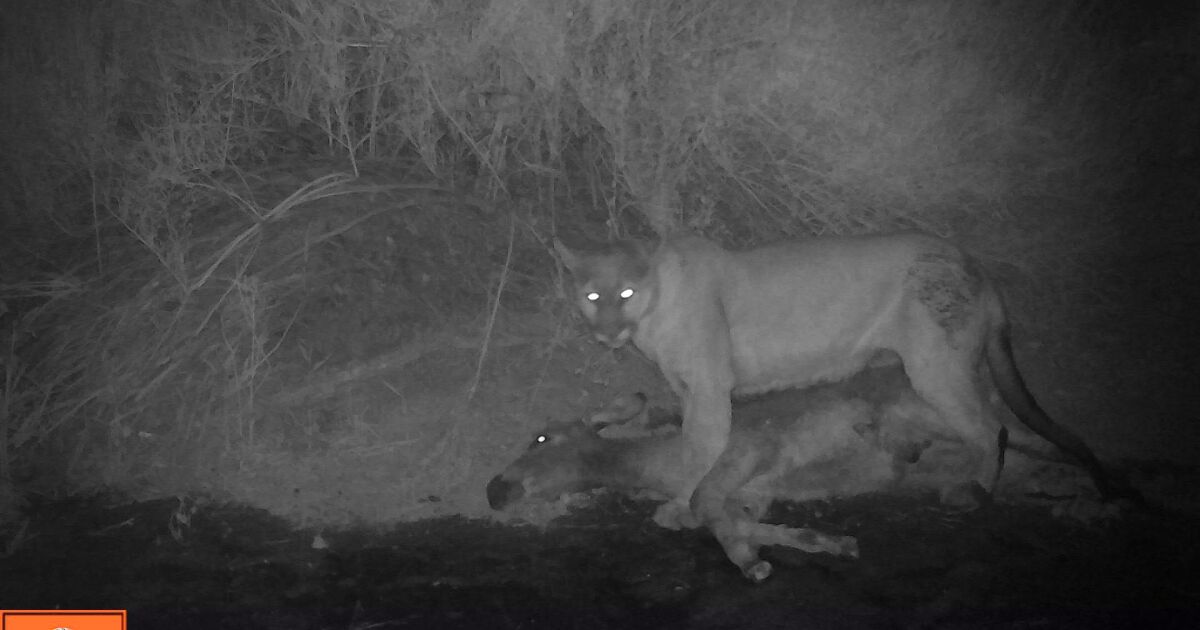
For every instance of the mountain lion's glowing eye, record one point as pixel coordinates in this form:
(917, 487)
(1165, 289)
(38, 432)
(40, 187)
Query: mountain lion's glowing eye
(593, 296)
(626, 294)
(541, 439)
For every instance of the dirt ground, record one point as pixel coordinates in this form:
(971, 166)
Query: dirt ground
(605, 565)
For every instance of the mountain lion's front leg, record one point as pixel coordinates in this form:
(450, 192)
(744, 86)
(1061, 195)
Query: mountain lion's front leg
(706, 418)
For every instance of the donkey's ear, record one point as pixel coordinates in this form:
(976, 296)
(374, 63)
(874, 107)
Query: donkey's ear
(569, 258)
(619, 411)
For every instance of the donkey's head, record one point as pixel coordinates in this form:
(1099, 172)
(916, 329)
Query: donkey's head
(564, 457)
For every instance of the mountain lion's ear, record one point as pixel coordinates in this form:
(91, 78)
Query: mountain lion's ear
(569, 258)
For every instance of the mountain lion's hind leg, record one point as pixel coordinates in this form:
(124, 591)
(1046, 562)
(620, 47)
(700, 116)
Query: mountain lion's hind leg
(944, 319)
(953, 392)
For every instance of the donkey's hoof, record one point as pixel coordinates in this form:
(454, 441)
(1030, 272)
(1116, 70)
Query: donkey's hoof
(758, 571)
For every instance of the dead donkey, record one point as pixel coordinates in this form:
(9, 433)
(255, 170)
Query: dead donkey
(865, 434)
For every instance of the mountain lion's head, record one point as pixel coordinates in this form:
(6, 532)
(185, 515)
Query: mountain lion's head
(614, 287)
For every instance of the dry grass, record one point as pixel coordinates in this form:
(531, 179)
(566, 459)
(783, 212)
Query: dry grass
(295, 252)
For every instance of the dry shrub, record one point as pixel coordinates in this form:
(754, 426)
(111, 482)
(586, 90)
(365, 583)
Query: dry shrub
(847, 117)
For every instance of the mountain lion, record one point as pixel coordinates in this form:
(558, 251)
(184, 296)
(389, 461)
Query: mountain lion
(720, 323)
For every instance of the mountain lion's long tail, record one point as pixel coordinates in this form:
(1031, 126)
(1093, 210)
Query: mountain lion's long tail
(1016, 395)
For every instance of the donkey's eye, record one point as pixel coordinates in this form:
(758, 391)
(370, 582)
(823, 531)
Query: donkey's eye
(593, 296)
(626, 293)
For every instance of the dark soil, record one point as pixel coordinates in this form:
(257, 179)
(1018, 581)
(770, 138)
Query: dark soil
(606, 566)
